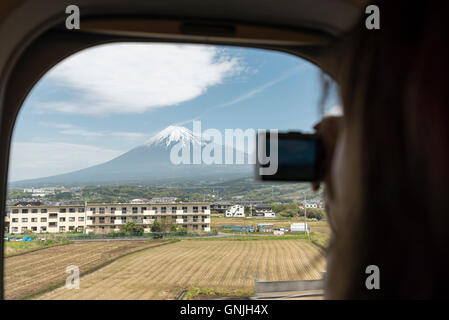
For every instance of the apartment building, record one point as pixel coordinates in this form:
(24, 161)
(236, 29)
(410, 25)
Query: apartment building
(107, 217)
(39, 218)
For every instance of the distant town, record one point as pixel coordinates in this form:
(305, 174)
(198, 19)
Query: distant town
(106, 209)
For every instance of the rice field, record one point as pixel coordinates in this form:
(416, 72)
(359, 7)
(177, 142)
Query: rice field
(33, 272)
(164, 272)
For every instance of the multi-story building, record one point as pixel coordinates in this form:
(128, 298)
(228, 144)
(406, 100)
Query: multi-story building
(106, 217)
(220, 207)
(39, 218)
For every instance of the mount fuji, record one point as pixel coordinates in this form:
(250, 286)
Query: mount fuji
(150, 164)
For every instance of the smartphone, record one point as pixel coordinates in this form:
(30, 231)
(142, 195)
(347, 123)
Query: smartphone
(300, 157)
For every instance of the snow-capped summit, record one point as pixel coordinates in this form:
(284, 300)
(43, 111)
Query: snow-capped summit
(174, 134)
(151, 162)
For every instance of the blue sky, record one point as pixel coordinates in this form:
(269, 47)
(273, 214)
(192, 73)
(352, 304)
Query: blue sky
(109, 99)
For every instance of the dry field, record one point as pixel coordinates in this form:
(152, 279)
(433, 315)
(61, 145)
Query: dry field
(163, 272)
(33, 272)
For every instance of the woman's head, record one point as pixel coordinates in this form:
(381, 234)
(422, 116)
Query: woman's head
(391, 165)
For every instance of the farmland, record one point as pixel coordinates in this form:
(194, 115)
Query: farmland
(319, 226)
(223, 265)
(33, 272)
(13, 248)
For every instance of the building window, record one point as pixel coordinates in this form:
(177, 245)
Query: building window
(164, 210)
(124, 210)
(80, 218)
(53, 215)
(15, 210)
(43, 219)
(62, 219)
(24, 210)
(113, 210)
(72, 219)
(92, 209)
(62, 210)
(184, 209)
(24, 229)
(195, 227)
(43, 210)
(15, 220)
(24, 219)
(195, 209)
(203, 209)
(80, 210)
(135, 210)
(52, 224)
(71, 210)
(143, 209)
(33, 210)
(101, 210)
(15, 229)
(43, 229)
(195, 218)
(33, 219)
(154, 208)
(61, 229)
(71, 228)
(34, 229)
(173, 209)
(184, 218)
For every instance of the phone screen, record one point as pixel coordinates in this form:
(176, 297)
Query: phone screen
(298, 158)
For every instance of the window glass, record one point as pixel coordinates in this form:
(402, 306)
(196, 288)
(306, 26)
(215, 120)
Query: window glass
(122, 128)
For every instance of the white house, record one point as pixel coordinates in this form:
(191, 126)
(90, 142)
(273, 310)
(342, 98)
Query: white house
(264, 211)
(235, 211)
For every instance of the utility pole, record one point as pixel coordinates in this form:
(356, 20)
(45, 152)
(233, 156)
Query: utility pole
(305, 213)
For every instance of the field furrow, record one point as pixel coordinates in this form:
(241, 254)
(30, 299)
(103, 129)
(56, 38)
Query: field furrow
(227, 265)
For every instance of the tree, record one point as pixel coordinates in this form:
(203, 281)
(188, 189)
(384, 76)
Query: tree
(131, 227)
(313, 213)
(286, 209)
(173, 228)
(156, 227)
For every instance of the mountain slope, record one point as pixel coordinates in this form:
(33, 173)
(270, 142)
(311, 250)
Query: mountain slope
(150, 163)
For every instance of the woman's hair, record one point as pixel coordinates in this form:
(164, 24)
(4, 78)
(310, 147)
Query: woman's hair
(393, 84)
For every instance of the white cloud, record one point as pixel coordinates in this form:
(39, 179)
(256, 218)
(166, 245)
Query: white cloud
(69, 129)
(34, 160)
(127, 135)
(134, 78)
(81, 132)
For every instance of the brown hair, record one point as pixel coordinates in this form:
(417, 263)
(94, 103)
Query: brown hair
(396, 121)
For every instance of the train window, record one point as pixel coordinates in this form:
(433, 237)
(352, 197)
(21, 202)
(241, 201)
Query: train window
(139, 128)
